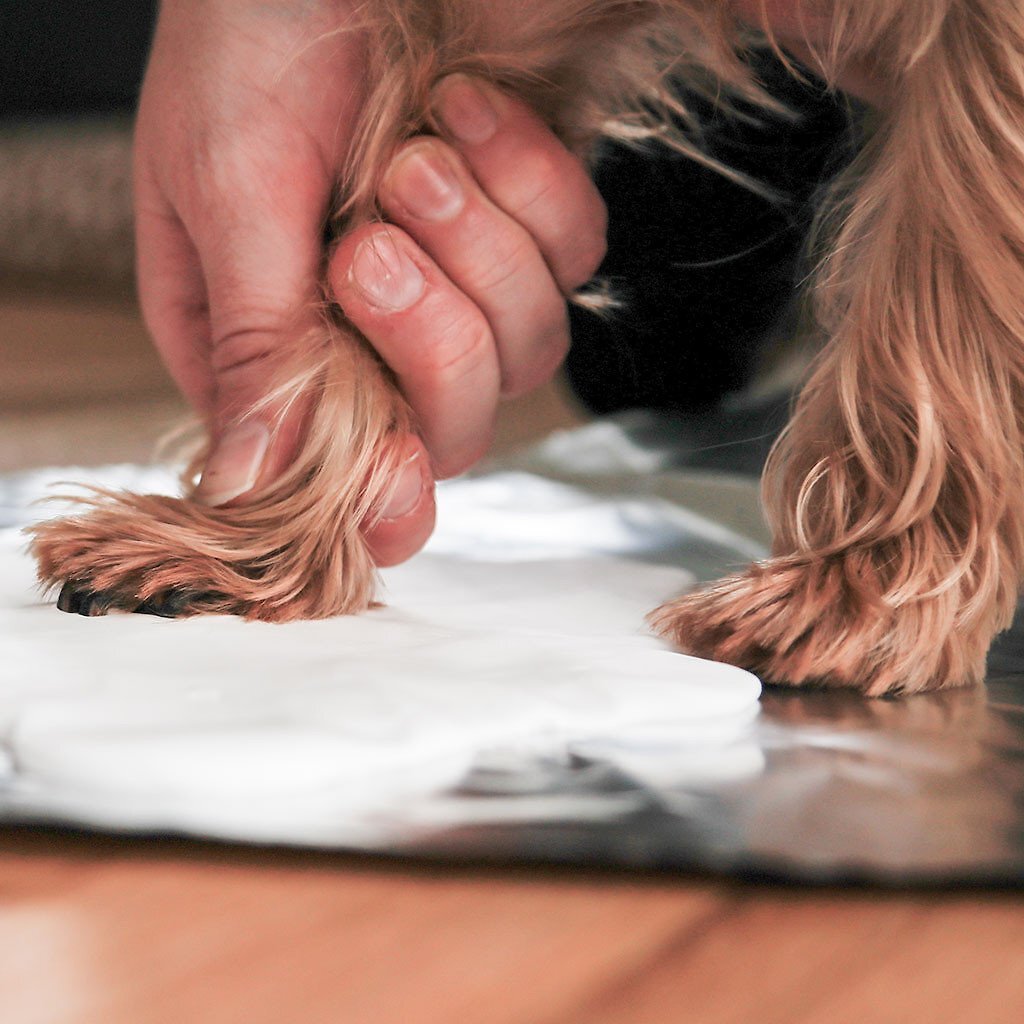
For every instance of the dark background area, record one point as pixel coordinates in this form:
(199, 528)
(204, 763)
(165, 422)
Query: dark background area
(706, 268)
(72, 57)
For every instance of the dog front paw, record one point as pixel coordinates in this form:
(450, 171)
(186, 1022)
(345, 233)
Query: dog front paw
(828, 622)
(175, 558)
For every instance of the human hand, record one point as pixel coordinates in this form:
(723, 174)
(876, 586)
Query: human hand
(244, 119)
(243, 122)
(463, 292)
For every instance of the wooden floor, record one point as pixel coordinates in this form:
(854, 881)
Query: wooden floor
(96, 930)
(120, 932)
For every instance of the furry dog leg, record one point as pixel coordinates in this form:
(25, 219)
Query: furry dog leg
(296, 551)
(897, 494)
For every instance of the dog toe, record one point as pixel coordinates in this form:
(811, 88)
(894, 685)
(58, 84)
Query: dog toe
(172, 604)
(93, 605)
(70, 598)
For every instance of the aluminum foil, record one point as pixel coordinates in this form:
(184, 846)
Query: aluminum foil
(918, 790)
(813, 786)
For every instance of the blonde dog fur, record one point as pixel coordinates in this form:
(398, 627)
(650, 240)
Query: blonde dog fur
(896, 495)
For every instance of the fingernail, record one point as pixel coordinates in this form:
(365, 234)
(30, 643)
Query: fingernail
(385, 274)
(466, 110)
(234, 465)
(407, 491)
(425, 184)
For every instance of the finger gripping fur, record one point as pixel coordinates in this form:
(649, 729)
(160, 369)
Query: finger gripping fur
(296, 551)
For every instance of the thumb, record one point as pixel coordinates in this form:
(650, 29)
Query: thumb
(261, 283)
(260, 273)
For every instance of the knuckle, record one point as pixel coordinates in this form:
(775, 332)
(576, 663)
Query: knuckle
(221, 161)
(459, 348)
(538, 182)
(506, 264)
(242, 350)
(549, 183)
(584, 258)
(547, 353)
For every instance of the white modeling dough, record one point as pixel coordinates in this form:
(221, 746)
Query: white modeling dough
(513, 628)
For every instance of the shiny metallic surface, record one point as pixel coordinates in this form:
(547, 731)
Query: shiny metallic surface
(811, 787)
(926, 789)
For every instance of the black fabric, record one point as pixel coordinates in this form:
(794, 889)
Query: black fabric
(68, 57)
(704, 266)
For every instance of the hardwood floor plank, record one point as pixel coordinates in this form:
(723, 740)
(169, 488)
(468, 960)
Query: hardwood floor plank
(790, 958)
(960, 959)
(131, 940)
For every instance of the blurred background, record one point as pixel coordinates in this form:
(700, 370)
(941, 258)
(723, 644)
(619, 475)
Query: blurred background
(80, 381)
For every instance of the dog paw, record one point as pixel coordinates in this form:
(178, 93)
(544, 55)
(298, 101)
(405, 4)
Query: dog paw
(827, 623)
(174, 558)
(119, 559)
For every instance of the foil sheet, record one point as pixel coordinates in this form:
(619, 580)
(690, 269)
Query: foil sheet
(826, 786)
(920, 790)
(813, 786)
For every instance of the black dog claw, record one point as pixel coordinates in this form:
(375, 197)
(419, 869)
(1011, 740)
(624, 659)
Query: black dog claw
(78, 601)
(171, 605)
(70, 598)
(93, 605)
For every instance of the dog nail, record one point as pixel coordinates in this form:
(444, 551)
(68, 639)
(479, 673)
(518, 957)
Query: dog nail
(177, 603)
(94, 605)
(173, 604)
(466, 110)
(425, 184)
(234, 466)
(385, 274)
(151, 606)
(408, 490)
(70, 598)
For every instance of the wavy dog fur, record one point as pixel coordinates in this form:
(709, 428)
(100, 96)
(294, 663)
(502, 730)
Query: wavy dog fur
(897, 493)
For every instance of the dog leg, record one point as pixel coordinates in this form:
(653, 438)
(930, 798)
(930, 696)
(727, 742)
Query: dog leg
(296, 551)
(897, 494)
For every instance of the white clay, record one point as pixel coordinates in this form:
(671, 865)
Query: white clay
(500, 634)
